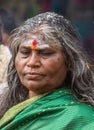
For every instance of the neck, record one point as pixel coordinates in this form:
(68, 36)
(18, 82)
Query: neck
(32, 94)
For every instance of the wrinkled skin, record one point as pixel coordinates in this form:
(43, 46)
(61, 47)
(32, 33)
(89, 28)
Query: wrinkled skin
(41, 70)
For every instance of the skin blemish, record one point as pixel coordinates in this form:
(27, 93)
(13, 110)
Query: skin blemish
(58, 59)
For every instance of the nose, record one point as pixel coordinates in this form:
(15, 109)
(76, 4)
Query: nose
(34, 60)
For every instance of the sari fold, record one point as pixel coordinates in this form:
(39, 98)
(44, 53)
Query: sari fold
(58, 110)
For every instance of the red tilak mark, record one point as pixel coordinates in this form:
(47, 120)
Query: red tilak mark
(34, 43)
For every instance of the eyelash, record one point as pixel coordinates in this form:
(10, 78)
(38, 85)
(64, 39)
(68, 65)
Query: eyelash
(46, 53)
(41, 53)
(25, 52)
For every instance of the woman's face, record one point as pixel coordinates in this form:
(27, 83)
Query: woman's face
(41, 68)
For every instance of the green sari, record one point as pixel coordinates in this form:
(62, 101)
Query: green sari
(58, 110)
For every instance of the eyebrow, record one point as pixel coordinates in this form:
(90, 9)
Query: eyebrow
(24, 47)
(29, 48)
(44, 46)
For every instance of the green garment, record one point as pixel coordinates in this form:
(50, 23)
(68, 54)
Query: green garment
(58, 110)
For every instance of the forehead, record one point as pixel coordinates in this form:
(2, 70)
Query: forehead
(33, 40)
(39, 40)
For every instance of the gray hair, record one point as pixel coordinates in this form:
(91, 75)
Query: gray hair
(59, 32)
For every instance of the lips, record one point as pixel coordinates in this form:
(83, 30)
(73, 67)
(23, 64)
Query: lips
(34, 76)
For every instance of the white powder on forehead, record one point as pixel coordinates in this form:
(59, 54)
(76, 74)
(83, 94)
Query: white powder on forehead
(40, 44)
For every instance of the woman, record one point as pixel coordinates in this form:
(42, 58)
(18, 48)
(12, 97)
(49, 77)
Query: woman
(50, 79)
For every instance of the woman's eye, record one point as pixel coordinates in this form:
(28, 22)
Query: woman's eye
(24, 53)
(46, 53)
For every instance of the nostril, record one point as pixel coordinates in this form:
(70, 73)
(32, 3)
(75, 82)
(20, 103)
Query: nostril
(33, 62)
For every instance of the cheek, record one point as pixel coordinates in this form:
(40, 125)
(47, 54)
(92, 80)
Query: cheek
(17, 59)
(56, 65)
(56, 71)
(60, 72)
(18, 64)
(60, 66)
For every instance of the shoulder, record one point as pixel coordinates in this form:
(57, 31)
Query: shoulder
(83, 116)
(83, 110)
(65, 109)
(67, 103)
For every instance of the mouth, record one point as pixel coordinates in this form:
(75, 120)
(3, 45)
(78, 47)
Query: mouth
(34, 76)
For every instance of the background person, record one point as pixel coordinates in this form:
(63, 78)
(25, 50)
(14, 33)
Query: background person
(4, 60)
(8, 23)
(51, 82)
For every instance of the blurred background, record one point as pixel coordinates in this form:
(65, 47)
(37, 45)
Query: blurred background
(79, 12)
